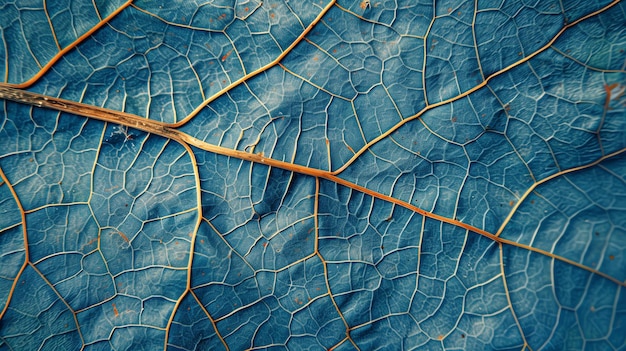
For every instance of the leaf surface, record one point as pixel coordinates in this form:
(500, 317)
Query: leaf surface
(345, 175)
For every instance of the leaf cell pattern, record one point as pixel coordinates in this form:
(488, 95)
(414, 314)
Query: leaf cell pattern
(313, 175)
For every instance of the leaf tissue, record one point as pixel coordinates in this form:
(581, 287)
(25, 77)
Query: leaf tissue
(312, 175)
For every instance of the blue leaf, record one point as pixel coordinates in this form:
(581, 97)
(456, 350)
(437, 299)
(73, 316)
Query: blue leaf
(313, 175)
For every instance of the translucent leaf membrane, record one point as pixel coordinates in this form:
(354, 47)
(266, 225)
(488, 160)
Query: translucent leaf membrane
(316, 175)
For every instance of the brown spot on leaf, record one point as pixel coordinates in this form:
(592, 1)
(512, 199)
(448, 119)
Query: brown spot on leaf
(226, 55)
(122, 235)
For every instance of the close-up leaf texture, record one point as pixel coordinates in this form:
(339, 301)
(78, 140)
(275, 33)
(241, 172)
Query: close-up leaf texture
(312, 175)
